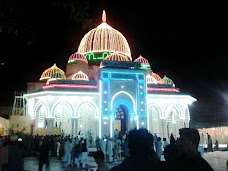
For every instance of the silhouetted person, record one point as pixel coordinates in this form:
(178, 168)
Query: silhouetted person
(187, 157)
(44, 153)
(100, 160)
(158, 147)
(209, 144)
(98, 143)
(142, 155)
(170, 155)
(172, 139)
(16, 154)
(165, 143)
(216, 148)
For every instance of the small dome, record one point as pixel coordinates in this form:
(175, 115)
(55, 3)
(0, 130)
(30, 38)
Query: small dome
(150, 79)
(168, 81)
(144, 62)
(56, 76)
(77, 57)
(104, 38)
(156, 76)
(48, 73)
(116, 56)
(80, 76)
(161, 81)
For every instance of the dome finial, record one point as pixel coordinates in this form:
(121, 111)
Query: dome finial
(104, 16)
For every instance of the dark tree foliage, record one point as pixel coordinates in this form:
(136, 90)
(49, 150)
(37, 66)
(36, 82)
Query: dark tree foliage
(25, 18)
(34, 30)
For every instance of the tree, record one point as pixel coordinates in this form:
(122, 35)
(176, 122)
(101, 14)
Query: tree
(24, 19)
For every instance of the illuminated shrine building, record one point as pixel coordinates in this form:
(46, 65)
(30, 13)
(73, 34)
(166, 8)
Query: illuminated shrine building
(103, 88)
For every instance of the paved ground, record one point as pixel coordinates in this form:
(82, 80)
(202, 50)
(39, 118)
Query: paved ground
(31, 164)
(218, 160)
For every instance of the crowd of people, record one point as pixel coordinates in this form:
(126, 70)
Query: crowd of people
(181, 154)
(139, 149)
(71, 150)
(12, 153)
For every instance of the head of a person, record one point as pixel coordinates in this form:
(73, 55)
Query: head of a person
(140, 142)
(189, 139)
(170, 153)
(98, 156)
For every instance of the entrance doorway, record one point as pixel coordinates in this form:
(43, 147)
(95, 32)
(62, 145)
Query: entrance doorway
(121, 120)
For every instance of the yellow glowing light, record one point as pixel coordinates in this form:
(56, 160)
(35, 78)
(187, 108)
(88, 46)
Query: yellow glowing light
(151, 79)
(80, 76)
(156, 76)
(104, 38)
(48, 73)
(56, 76)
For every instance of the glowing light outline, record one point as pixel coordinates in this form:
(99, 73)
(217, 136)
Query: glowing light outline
(45, 87)
(100, 126)
(178, 96)
(89, 103)
(172, 105)
(50, 71)
(149, 89)
(129, 107)
(118, 102)
(133, 101)
(157, 107)
(80, 76)
(124, 92)
(65, 102)
(95, 39)
(39, 103)
(59, 93)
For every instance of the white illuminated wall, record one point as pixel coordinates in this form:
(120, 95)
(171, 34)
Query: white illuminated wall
(167, 113)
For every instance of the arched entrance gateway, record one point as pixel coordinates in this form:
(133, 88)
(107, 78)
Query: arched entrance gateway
(124, 114)
(126, 94)
(121, 120)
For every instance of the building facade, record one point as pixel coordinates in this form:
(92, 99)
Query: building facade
(104, 89)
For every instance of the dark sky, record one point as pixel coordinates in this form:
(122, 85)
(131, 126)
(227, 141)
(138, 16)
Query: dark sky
(186, 42)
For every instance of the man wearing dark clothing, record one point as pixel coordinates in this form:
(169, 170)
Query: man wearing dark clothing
(100, 160)
(16, 154)
(172, 140)
(187, 157)
(44, 153)
(142, 155)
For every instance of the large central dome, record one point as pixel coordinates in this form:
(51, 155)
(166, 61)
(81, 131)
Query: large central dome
(104, 38)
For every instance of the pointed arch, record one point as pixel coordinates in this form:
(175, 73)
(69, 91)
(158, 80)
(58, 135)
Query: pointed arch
(40, 105)
(172, 107)
(126, 93)
(154, 115)
(69, 105)
(125, 103)
(157, 107)
(92, 105)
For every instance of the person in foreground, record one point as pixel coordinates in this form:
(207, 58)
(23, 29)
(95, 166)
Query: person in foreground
(100, 160)
(188, 157)
(142, 155)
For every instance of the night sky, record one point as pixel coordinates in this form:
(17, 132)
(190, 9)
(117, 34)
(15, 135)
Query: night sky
(186, 42)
